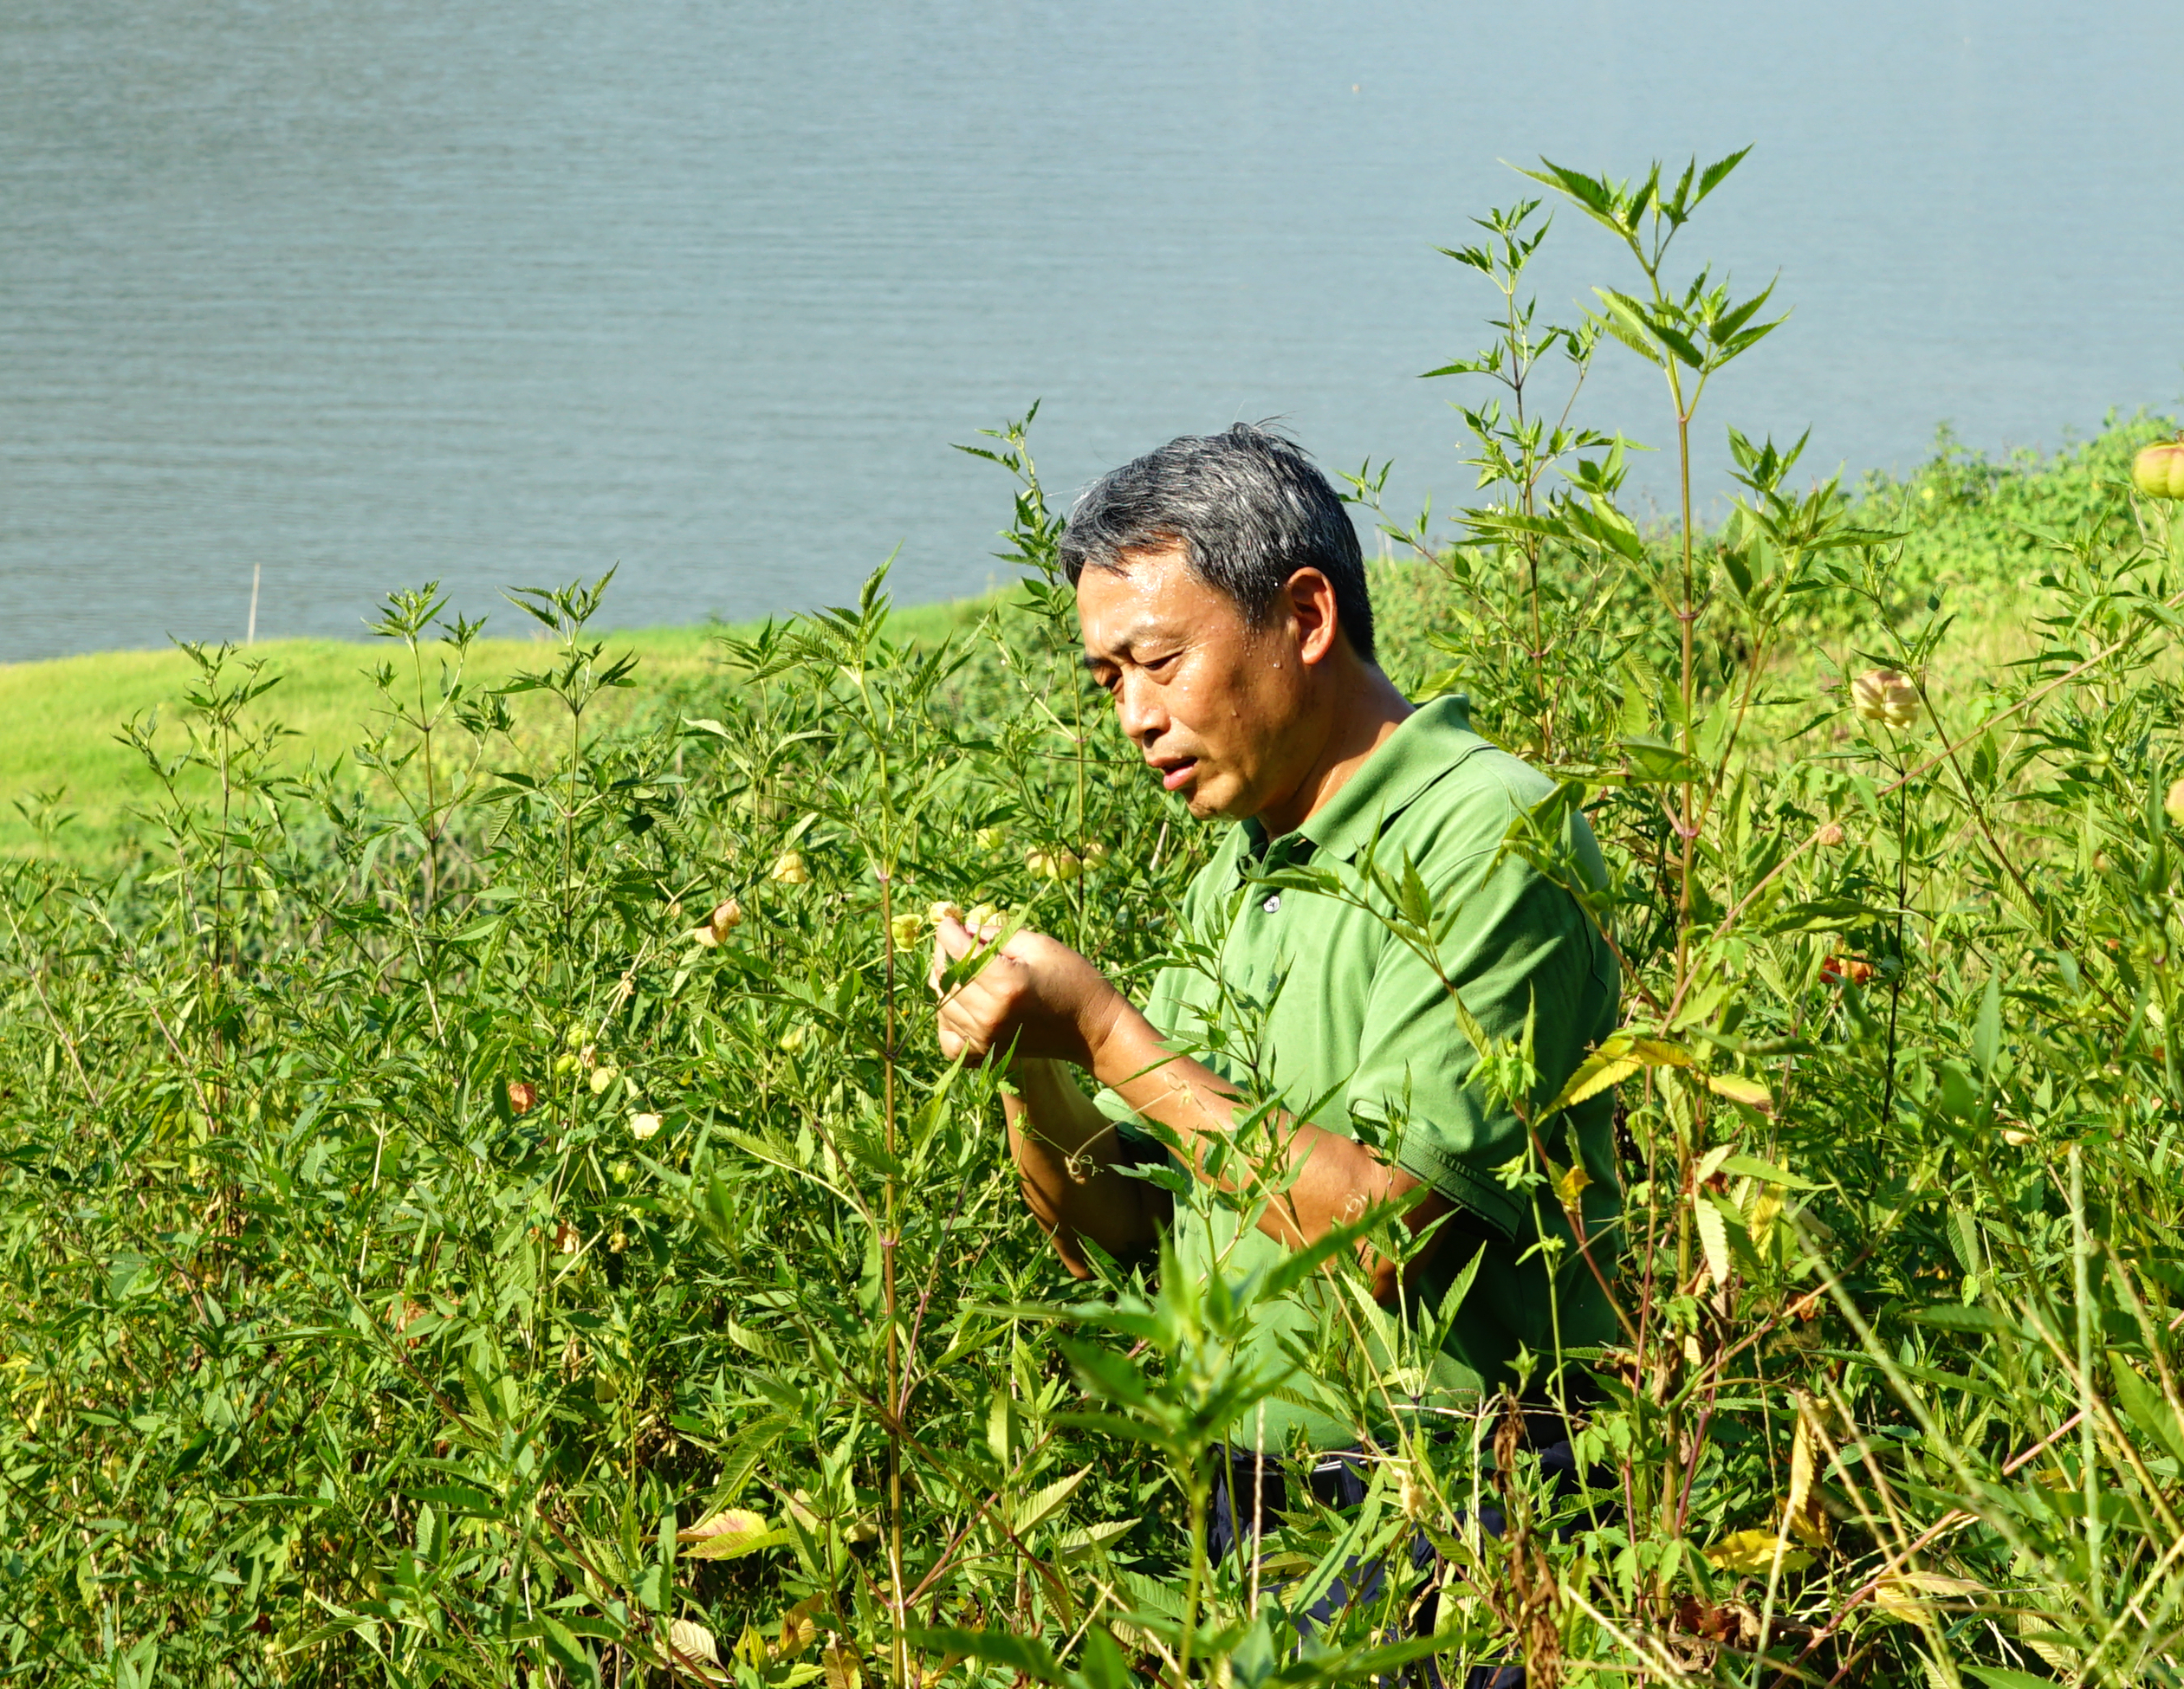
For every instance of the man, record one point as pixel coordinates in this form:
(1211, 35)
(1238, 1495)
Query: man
(1223, 606)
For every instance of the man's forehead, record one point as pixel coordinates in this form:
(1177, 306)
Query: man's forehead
(1144, 598)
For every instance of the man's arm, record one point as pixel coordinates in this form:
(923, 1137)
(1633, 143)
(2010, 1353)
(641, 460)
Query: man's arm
(1068, 1155)
(1053, 1005)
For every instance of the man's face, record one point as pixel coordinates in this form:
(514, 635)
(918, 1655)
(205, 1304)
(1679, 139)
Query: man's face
(1209, 701)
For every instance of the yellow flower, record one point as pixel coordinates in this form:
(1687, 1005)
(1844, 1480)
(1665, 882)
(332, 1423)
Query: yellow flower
(789, 869)
(1883, 694)
(643, 1126)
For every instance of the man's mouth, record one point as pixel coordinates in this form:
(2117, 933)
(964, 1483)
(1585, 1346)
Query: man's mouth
(1175, 775)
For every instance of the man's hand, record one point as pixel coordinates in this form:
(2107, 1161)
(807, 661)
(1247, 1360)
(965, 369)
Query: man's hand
(1034, 994)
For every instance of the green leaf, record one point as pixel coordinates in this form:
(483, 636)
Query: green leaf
(995, 1647)
(2148, 1408)
(1987, 1033)
(1751, 1167)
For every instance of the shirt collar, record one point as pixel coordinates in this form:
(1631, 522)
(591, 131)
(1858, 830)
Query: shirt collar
(1427, 743)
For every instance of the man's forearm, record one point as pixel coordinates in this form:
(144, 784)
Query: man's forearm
(1336, 1178)
(1064, 1148)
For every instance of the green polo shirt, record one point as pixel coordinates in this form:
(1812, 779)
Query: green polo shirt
(1354, 1016)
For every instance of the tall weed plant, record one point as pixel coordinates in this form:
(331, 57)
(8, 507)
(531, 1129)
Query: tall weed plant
(495, 1214)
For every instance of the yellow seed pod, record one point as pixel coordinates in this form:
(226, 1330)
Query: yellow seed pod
(796, 1036)
(565, 1063)
(2174, 805)
(904, 929)
(2158, 471)
(985, 916)
(990, 839)
(705, 937)
(727, 916)
(643, 1126)
(602, 1077)
(940, 912)
(789, 869)
(1883, 694)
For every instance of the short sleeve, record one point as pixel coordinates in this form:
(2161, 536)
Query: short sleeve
(1520, 944)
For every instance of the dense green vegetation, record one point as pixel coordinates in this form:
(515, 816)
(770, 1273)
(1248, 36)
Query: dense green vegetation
(436, 1246)
(64, 744)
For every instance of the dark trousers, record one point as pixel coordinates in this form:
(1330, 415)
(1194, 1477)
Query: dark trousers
(1339, 1481)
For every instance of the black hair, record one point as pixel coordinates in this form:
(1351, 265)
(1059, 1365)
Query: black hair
(1249, 509)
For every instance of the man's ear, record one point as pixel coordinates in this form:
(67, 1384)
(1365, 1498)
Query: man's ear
(1311, 611)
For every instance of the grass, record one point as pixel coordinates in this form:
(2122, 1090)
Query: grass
(63, 714)
(1976, 520)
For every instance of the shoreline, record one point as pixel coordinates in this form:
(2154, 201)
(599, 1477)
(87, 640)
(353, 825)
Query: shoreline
(63, 713)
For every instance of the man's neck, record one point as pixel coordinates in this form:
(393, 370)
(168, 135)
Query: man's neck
(1365, 711)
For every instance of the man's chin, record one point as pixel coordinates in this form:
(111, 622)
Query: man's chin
(1216, 802)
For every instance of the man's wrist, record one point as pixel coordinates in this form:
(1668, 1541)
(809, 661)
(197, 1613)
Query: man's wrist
(1104, 1012)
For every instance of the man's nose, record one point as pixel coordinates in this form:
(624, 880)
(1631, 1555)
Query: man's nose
(1137, 709)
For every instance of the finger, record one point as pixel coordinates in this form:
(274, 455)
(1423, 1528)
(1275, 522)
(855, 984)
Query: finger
(962, 1043)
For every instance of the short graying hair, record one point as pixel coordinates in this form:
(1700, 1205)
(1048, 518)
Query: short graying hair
(1249, 509)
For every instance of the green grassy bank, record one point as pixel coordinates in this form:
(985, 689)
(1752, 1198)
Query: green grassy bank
(63, 716)
(1974, 528)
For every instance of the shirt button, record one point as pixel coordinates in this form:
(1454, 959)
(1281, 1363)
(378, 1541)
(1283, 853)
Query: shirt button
(1272, 905)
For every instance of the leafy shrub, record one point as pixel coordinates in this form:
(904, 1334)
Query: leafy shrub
(498, 1215)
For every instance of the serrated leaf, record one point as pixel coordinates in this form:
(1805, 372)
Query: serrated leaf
(692, 1641)
(1034, 1509)
(1595, 1074)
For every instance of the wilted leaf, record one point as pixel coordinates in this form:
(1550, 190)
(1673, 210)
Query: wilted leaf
(1908, 1595)
(1738, 1088)
(1714, 1237)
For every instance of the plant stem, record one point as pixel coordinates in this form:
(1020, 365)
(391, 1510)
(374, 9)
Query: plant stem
(1197, 1584)
(1895, 984)
(898, 1660)
(2089, 1447)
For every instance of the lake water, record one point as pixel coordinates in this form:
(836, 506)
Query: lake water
(370, 292)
